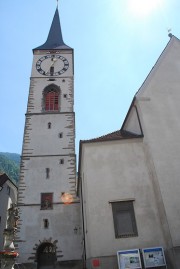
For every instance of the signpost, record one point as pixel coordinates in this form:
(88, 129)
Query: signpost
(154, 257)
(129, 259)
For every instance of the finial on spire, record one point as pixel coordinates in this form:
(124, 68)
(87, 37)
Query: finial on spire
(57, 3)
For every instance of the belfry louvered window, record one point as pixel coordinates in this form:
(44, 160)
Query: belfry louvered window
(52, 100)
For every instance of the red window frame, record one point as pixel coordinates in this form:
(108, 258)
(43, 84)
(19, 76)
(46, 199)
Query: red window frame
(52, 101)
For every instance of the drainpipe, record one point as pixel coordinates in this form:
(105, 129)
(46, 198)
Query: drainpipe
(84, 239)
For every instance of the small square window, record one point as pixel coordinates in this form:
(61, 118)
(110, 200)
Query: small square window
(61, 161)
(124, 219)
(65, 95)
(60, 135)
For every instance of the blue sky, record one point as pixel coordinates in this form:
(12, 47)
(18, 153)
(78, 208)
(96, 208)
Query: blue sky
(116, 43)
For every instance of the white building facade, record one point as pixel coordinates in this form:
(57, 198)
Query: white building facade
(8, 196)
(129, 180)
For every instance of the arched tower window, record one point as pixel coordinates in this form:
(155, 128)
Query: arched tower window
(51, 98)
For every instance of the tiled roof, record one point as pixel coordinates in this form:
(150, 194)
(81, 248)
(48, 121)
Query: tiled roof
(3, 179)
(117, 135)
(55, 39)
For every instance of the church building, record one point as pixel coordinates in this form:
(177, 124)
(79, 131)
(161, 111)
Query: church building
(129, 180)
(123, 210)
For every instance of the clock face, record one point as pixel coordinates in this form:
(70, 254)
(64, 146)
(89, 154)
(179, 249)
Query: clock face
(52, 65)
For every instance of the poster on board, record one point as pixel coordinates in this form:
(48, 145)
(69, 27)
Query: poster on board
(153, 257)
(129, 259)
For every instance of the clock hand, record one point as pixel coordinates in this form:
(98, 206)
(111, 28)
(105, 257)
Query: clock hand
(52, 65)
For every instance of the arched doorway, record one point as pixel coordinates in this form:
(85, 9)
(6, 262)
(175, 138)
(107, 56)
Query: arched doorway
(46, 256)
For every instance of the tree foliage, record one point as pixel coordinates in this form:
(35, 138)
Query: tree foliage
(10, 164)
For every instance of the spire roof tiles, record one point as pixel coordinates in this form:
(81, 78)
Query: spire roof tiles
(55, 39)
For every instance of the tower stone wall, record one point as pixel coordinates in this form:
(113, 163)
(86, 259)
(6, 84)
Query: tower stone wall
(48, 162)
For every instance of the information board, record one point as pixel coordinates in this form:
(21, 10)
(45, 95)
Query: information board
(153, 257)
(129, 259)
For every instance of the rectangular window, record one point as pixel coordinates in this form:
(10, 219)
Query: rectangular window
(8, 190)
(61, 161)
(46, 201)
(124, 219)
(60, 135)
(49, 125)
(51, 100)
(47, 172)
(46, 223)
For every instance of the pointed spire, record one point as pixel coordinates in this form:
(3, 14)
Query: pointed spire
(55, 39)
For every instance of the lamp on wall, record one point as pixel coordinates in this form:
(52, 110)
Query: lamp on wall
(66, 198)
(1, 187)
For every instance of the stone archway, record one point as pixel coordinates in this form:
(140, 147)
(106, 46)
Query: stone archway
(46, 256)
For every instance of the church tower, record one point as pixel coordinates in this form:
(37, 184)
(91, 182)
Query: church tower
(49, 230)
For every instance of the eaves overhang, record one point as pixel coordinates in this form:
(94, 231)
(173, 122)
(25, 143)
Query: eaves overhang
(4, 178)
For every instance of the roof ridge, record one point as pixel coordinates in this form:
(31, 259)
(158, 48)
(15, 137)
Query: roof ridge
(155, 66)
(116, 135)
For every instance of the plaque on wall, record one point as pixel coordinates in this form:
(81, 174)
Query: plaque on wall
(129, 259)
(153, 257)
